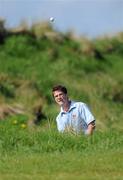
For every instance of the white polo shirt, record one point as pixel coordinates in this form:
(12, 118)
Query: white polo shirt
(76, 118)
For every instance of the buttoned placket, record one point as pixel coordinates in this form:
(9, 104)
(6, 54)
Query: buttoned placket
(68, 119)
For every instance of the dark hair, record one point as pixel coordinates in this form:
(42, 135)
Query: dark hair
(59, 88)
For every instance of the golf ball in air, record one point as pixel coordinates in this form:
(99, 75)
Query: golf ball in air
(51, 19)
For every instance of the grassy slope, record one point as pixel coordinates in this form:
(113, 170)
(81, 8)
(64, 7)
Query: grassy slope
(91, 70)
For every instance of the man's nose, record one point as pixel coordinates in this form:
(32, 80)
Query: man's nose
(59, 96)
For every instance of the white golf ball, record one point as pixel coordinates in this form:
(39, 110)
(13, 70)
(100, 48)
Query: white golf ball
(51, 19)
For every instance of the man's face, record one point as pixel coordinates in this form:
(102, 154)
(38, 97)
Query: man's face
(60, 97)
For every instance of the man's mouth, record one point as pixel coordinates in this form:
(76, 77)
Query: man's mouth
(60, 101)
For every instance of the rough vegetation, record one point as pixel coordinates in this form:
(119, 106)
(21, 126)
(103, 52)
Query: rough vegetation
(33, 59)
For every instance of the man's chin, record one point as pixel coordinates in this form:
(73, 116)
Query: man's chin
(60, 103)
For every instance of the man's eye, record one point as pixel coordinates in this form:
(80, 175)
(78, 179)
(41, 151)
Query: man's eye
(60, 95)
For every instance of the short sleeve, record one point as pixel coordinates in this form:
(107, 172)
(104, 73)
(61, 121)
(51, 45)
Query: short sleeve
(87, 114)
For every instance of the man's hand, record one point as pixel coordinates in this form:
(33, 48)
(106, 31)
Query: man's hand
(90, 128)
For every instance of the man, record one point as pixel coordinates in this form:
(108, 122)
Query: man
(74, 116)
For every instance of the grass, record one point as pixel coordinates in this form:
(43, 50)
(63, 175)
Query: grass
(43, 153)
(66, 165)
(40, 154)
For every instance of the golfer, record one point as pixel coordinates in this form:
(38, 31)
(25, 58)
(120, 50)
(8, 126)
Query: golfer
(73, 116)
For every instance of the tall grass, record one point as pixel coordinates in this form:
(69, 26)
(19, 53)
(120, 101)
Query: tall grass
(15, 138)
(43, 153)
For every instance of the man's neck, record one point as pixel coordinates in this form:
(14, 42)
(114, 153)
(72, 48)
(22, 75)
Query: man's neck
(66, 106)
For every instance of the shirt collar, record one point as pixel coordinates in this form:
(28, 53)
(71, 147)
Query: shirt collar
(72, 106)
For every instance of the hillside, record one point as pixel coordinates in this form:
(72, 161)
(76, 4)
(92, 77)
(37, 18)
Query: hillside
(34, 59)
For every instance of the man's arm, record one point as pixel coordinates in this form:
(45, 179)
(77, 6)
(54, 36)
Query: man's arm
(91, 127)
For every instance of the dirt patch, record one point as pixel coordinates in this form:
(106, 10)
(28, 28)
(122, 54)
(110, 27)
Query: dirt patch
(8, 110)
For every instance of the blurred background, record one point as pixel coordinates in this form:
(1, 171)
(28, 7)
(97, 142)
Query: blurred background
(90, 18)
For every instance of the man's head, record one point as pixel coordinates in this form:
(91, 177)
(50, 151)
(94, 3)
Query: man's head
(60, 94)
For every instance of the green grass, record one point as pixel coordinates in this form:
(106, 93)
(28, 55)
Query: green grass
(43, 153)
(40, 153)
(66, 165)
